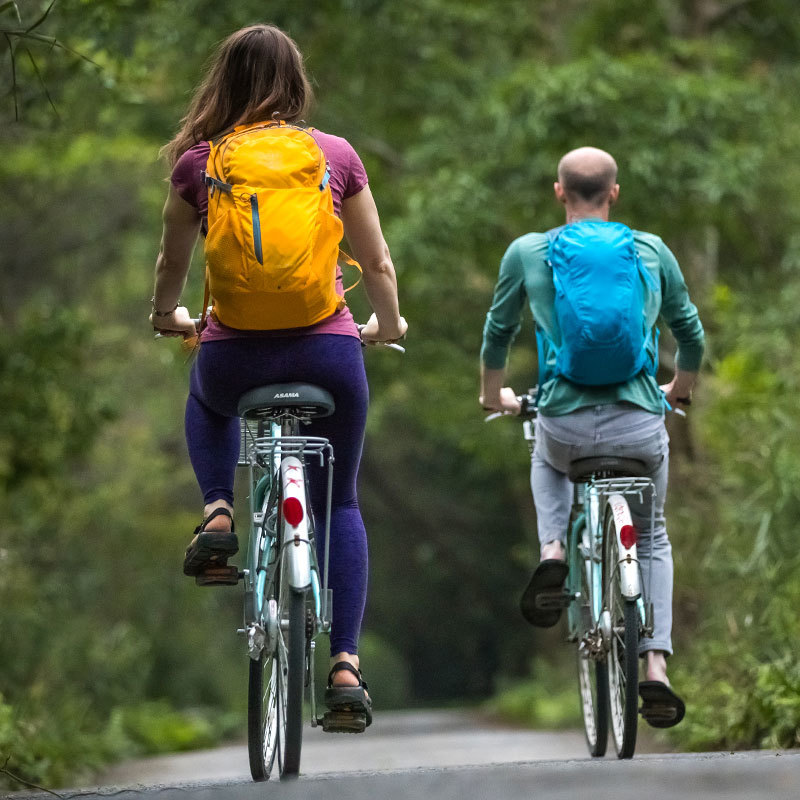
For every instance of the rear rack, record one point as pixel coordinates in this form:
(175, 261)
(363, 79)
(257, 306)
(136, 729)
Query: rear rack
(266, 447)
(249, 429)
(262, 448)
(608, 486)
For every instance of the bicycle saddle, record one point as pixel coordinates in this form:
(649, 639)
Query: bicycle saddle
(304, 399)
(582, 469)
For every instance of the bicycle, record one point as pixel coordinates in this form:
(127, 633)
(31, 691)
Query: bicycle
(287, 601)
(607, 610)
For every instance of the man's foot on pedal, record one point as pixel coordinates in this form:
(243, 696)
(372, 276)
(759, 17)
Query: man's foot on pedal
(553, 551)
(543, 599)
(661, 706)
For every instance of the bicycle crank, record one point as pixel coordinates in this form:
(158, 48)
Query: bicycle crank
(553, 600)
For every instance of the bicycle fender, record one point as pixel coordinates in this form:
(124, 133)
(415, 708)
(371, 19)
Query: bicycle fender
(628, 564)
(296, 550)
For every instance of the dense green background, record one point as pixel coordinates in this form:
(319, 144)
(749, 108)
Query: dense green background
(460, 111)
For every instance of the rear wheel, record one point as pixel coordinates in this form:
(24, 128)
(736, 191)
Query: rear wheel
(623, 653)
(275, 693)
(292, 656)
(592, 678)
(263, 719)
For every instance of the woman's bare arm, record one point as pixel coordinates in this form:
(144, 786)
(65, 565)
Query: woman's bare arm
(362, 228)
(181, 226)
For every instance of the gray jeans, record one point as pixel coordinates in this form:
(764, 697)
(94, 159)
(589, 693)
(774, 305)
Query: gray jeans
(618, 430)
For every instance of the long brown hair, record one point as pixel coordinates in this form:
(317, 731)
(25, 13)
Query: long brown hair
(256, 74)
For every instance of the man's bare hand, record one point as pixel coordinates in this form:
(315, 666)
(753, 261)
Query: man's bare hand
(505, 402)
(679, 390)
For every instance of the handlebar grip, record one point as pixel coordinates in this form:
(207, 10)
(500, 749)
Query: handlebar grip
(527, 404)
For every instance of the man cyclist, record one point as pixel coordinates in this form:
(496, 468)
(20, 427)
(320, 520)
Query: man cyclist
(624, 418)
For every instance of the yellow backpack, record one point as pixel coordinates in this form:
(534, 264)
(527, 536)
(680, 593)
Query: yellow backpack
(273, 239)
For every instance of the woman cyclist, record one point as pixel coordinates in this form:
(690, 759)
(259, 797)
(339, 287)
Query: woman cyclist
(258, 76)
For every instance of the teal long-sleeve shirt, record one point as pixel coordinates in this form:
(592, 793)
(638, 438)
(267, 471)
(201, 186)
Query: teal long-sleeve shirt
(526, 276)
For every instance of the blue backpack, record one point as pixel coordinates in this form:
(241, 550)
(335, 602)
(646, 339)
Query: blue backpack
(600, 285)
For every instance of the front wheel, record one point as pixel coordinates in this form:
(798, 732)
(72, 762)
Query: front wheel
(623, 654)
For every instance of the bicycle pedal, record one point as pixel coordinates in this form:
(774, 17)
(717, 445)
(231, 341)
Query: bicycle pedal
(218, 576)
(344, 722)
(552, 600)
(658, 714)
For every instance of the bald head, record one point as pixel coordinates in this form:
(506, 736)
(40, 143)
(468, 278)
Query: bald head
(587, 176)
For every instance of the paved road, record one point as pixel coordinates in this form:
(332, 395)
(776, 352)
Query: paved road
(396, 741)
(456, 756)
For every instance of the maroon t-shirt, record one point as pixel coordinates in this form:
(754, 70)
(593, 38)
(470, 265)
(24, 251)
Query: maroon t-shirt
(348, 177)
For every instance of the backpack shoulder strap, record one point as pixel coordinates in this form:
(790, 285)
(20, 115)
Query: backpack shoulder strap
(552, 234)
(545, 374)
(542, 339)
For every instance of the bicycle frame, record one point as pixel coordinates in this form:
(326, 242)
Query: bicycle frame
(276, 470)
(585, 548)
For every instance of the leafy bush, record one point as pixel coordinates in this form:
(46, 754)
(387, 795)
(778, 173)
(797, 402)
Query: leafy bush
(156, 727)
(754, 705)
(545, 700)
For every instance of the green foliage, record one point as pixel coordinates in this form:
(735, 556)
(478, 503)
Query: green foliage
(155, 727)
(544, 700)
(750, 705)
(51, 417)
(749, 566)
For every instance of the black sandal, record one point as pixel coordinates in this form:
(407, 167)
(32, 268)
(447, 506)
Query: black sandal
(212, 548)
(350, 706)
(661, 707)
(543, 599)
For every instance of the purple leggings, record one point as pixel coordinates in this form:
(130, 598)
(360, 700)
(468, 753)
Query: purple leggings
(223, 372)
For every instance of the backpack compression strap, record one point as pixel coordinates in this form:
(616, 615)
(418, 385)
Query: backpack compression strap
(353, 263)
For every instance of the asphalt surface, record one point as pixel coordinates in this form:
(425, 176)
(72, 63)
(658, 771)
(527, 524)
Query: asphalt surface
(454, 756)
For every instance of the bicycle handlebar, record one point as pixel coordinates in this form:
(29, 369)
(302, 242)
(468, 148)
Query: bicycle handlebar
(161, 334)
(528, 408)
(389, 345)
(527, 403)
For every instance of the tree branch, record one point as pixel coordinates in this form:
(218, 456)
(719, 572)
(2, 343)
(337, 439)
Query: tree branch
(16, 778)
(14, 36)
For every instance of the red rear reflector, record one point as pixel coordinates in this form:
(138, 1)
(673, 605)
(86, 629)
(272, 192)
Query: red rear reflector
(293, 511)
(628, 536)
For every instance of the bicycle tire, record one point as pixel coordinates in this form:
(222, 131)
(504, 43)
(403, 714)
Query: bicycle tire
(264, 691)
(263, 735)
(292, 675)
(623, 654)
(592, 683)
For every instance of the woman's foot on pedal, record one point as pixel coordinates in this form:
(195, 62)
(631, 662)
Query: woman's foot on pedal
(213, 544)
(347, 698)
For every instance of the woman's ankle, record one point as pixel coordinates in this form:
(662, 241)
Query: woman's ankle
(344, 677)
(222, 522)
